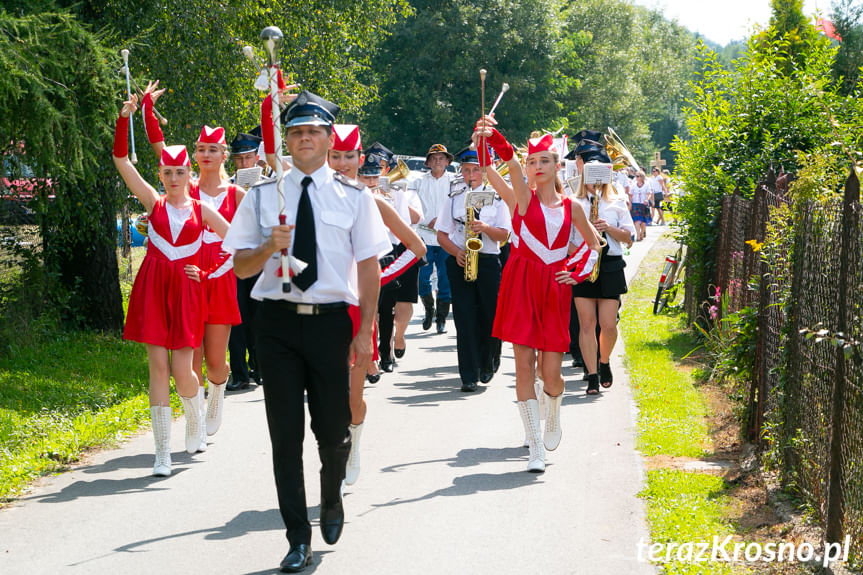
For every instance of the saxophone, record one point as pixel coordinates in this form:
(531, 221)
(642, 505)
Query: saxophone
(472, 246)
(594, 216)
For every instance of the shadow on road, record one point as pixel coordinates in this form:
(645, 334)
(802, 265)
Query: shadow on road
(475, 483)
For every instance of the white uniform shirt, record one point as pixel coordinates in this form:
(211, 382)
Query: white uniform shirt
(450, 220)
(348, 229)
(432, 192)
(615, 213)
(402, 200)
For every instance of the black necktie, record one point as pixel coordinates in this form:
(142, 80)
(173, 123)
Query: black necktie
(304, 239)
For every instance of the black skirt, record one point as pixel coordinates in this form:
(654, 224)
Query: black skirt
(610, 283)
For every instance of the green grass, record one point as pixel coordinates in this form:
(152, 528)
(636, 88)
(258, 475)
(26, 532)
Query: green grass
(681, 506)
(686, 507)
(63, 396)
(671, 410)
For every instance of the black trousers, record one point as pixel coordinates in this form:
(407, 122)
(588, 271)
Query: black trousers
(301, 354)
(473, 307)
(243, 335)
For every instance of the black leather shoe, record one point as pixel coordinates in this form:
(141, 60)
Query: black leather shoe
(297, 559)
(400, 353)
(387, 365)
(373, 378)
(468, 386)
(236, 385)
(441, 327)
(485, 376)
(428, 303)
(332, 521)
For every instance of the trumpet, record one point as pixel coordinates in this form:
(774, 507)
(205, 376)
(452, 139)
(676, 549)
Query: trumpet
(620, 155)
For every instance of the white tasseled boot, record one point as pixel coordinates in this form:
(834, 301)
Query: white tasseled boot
(352, 471)
(529, 411)
(215, 403)
(202, 401)
(194, 422)
(160, 418)
(553, 432)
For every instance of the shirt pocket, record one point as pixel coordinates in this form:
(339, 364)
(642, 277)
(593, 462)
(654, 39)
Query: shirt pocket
(340, 220)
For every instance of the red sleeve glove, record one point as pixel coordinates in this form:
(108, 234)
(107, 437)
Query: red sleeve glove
(500, 145)
(398, 267)
(223, 257)
(582, 262)
(486, 161)
(151, 124)
(281, 81)
(267, 132)
(121, 138)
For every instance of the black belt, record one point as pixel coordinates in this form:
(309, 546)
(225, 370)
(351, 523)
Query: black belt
(483, 256)
(309, 308)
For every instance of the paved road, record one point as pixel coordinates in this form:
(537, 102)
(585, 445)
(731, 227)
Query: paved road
(443, 488)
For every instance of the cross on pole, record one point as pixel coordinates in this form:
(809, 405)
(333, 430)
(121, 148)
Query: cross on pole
(657, 162)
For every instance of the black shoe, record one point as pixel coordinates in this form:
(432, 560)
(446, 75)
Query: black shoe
(485, 376)
(387, 365)
(400, 353)
(428, 303)
(332, 521)
(496, 363)
(592, 384)
(605, 376)
(468, 386)
(236, 385)
(297, 559)
(373, 378)
(441, 315)
(441, 327)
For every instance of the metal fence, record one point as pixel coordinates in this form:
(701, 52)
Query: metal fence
(805, 394)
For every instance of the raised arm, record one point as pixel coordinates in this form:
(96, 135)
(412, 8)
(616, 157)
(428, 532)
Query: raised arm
(145, 193)
(587, 231)
(503, 189)
(521, 193)
(151, 123)
(215, 220)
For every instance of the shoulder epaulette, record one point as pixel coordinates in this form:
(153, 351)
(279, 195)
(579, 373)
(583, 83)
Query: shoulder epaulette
(263, 182)
(457, 186)
(343, 179)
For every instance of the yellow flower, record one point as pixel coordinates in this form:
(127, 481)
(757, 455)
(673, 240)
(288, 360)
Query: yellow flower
(755, 245)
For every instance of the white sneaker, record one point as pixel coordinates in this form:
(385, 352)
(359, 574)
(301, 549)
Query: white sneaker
(215, 405)
(352, 470)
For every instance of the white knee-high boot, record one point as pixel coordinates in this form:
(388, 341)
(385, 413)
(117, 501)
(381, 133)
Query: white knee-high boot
(529, 411)
(202, 401)
(160, 418)
(553, 432)
(215, 403)
(352, 471)
(194, 421)
(540, 397)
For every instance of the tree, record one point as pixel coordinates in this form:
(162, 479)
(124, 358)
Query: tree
(56, 96)
(848, 24)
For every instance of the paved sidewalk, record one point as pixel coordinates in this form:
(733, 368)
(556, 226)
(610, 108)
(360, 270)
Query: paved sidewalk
(443, 487)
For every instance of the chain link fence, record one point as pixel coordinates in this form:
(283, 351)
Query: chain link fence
(805, 394)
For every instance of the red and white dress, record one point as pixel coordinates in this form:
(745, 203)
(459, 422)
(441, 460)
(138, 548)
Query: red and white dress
(532, 306)
(166, 308)
(220, 285)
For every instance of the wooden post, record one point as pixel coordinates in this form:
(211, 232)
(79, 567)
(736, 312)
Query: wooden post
(657, 162)
(836, 494)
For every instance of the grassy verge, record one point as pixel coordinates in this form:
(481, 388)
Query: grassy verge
(61, 397)
(681, 506)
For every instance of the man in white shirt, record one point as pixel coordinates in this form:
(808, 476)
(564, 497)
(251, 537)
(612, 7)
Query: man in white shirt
(432, 190)
(474, 302)
(331, 224)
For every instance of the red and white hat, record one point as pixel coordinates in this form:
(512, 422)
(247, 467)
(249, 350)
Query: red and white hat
(212, 135)
(347, 137)
(542, 144)
(174, 156)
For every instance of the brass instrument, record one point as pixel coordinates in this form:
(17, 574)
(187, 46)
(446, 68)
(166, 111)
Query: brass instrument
(474, 201)
(400, 172)
(594, 216)
(620, 156)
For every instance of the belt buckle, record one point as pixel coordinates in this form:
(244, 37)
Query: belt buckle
(305, 309)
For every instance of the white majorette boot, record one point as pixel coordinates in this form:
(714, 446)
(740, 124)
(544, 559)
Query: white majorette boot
(215, 403)
(160, 418)
(194, 422)
(553, 432)
(202, 401)
(352, 471)
(540, 396)
(529, 411)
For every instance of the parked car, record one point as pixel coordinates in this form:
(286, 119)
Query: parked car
(19, 186)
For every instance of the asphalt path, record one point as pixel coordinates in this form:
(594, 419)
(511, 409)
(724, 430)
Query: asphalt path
(443, 487)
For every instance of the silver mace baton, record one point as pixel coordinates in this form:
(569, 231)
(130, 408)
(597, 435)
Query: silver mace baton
(272, 38)
(133, 156)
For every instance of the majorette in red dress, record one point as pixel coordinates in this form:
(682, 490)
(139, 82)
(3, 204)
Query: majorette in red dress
(165, 306)
(532, 306)
(220, 285)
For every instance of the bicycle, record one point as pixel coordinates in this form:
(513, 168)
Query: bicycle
(671, 279)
